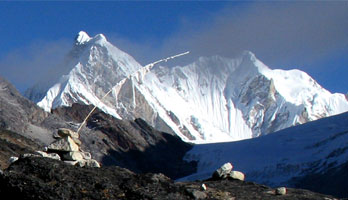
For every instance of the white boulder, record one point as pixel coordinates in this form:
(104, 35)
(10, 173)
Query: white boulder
(237, 175)
(223, 171)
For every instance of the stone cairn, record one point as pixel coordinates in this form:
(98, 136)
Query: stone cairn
(66, 148)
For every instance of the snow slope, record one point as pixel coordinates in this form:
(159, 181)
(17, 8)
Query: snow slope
(213, 99)
(277, 158)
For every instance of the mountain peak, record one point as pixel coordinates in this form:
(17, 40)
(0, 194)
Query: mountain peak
(81, 38)
(249, 55)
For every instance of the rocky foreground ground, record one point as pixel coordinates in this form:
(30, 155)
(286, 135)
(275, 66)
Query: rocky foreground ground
(43, 178)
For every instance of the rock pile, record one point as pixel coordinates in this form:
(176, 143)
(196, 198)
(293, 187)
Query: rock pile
(226, 172)
(66, 148)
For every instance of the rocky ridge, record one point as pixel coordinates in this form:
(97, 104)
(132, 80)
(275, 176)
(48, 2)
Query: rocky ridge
(42, 178)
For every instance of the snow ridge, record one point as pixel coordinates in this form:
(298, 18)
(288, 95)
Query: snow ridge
(213, 99)
(277, 158)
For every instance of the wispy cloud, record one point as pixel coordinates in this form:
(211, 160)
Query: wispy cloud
(40, 61)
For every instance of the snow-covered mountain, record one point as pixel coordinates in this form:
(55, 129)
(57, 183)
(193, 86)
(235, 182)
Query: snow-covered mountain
(212, 99)
(306, 155)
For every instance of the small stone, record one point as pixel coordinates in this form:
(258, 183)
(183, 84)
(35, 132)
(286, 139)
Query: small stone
(281, 191)
(73, 156)
(237, 175)
(12, 159)
(223, 171)
(64, 144)
(63, 132)
(203, 187)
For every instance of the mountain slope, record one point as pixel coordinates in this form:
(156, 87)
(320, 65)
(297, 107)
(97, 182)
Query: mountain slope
(128, 143)
(213, 99)
(300, 156)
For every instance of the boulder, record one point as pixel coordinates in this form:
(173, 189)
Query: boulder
(280, 191)
(73, 156)
(63, 132)
(236, 175)
(64, 144)
(223, 171)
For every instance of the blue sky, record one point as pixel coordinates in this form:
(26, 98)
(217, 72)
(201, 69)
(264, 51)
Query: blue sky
(311, 36)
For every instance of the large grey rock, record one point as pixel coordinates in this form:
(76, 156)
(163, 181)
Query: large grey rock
(64, 144)
(223, 171)
(73, 156)
(237, 175)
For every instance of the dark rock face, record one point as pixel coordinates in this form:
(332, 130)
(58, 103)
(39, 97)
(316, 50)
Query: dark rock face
(44, 178)
(131, 144)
